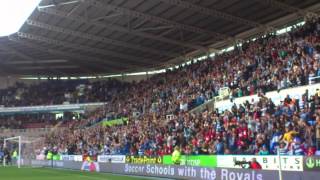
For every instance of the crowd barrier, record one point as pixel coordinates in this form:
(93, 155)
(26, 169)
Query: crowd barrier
(268, 162)
(177, 172)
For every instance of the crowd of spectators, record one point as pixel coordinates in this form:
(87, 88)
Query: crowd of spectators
(266, 64)
(52, 92)
(269, 63)
(250, 128)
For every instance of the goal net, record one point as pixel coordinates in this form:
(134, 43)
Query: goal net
(12, 151)
(19, 150)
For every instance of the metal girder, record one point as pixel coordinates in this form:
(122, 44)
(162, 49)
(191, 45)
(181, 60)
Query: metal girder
(60, 4)
(287, 7)
(18, 53)
(152, 18)
(212, 12)
(50, 67)
(80, 47)
(98, 38)
(24, 56)
(106, 17)
(113, 27)
(74, 9)
(154, 28)
(85, 60)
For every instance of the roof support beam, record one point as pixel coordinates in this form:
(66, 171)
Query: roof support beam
(86, 61)
(98, 38)
(154, 28)
(113, 62)
(287, 7)
(18, 53)
(81, 19)
(106, 17)
(60, 4)
(50, 67)
(26, 57)
(156, 19)
(212, 12)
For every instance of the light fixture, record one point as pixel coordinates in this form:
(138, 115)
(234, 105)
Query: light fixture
(13, 14)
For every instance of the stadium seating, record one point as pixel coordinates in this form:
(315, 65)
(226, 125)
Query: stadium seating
(266, 64)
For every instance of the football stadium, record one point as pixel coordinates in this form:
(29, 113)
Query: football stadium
(159, 89)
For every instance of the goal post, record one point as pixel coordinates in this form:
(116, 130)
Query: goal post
(12, 148)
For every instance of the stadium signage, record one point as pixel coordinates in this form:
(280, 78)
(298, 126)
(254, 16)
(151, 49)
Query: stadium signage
(311, 163)
(184, 172)
(71, 158)
(191, 172)
(143, 160)
(114, 122)
(288, 163)
(112, 158)
(192, 160)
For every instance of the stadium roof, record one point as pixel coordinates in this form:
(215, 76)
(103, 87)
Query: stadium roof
(92, 37)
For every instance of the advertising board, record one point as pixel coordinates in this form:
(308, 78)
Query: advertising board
(112, 158)
(71, 158)
(186, 172)
(288, 163)
(311, 163)
(192, 160)
(143, 160)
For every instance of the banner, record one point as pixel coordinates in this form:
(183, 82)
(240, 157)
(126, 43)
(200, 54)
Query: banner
(288, 163)
(114, 122)
(193, 160)
(112, 158)
(311, 163)
(143, 160)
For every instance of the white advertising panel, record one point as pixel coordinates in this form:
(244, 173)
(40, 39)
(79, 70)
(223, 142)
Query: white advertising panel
(288, 163)
(112, 158)
(71, 158)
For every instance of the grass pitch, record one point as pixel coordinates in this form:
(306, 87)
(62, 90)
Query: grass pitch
(13, 173)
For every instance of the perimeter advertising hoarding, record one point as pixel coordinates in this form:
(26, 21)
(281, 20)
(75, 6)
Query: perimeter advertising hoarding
(199, 160)
(311, 163)
(288, 163)
(71, 158)
(144, 159)
(187, 172)
(112, 158)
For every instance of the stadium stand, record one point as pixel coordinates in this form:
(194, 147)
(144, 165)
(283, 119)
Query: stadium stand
(266, 64)
(151, 89)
